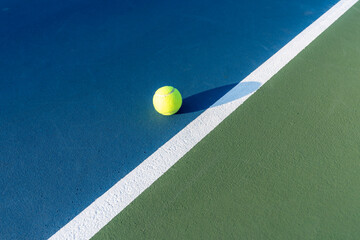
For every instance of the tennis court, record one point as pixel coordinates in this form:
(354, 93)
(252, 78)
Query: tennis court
(284, 165)
(266, 145)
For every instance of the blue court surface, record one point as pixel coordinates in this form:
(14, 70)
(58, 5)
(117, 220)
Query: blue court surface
(76, 85)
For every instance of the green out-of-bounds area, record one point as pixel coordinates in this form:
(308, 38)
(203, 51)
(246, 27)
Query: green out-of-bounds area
(284, 165)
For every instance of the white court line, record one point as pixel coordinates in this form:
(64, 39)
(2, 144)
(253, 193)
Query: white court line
(111, 203)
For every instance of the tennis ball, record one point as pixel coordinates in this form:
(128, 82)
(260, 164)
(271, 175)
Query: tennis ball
(167, 100)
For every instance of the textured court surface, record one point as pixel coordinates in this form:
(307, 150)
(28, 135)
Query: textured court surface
(285, 165)
(77, 79)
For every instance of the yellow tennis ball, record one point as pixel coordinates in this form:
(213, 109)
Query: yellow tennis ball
(167, 100)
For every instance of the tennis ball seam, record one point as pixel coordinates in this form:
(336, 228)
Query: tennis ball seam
(164, 95)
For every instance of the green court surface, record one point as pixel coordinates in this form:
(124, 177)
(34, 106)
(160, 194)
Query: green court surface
(284, 165)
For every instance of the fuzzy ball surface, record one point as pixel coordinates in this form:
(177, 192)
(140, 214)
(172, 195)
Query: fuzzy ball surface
(167, 100)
